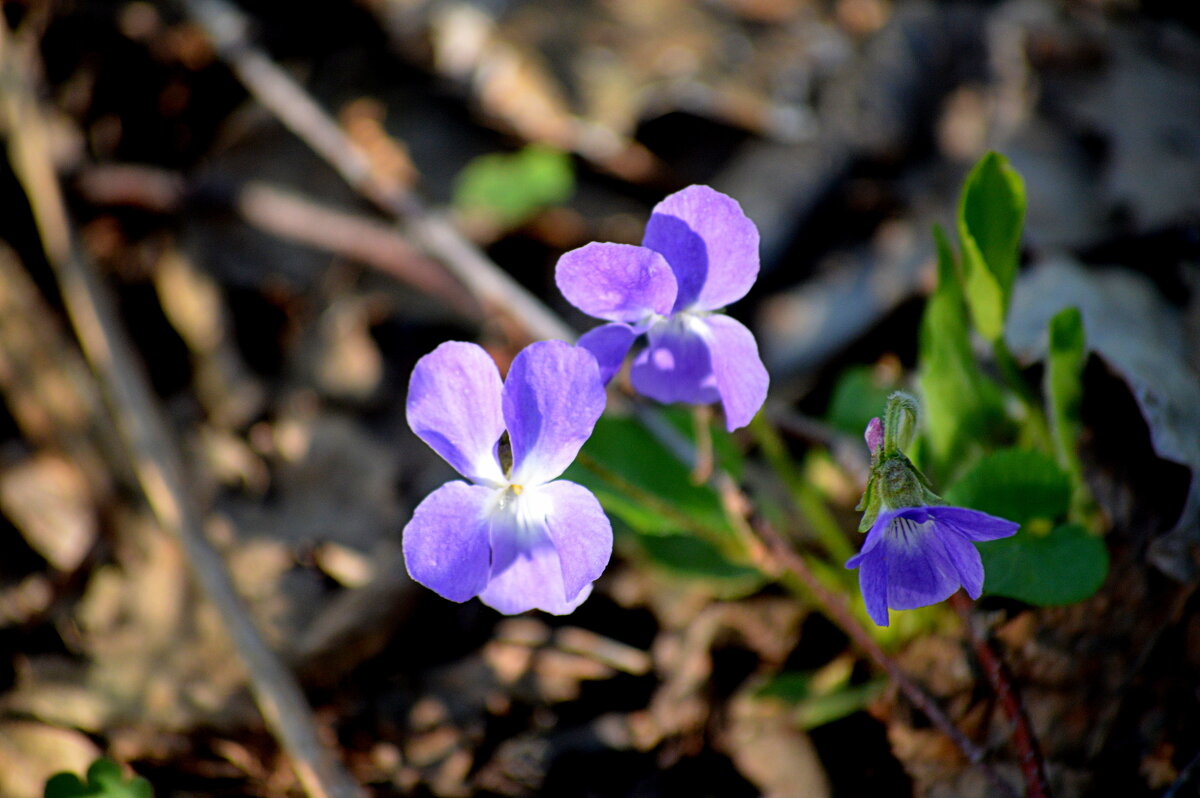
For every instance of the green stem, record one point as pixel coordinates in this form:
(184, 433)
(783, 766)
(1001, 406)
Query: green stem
(1036, 423)
(807, 499)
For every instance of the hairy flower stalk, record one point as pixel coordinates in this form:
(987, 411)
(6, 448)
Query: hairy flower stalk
(918, 550)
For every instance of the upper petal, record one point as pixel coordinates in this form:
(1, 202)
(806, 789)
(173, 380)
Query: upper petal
(454, 406)
(609, 343)
(740, 374)
(552, 398)
(676, 365)
(580, 532)
(963, 555)
(617, 282)
(973, 524)
(446, 543)
(711, 245)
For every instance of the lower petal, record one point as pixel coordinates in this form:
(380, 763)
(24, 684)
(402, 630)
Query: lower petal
(446, 542)
(873, 581)
(741, 377)
(963, 555)
(919, 572)
(531, 579)
(580, 532)
(609, 343)
(676, 365)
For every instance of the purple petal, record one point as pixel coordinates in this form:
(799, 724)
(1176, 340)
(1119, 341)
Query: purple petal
(711, 245)
(580, 531)
(740, 374)
(919, 571)
(617, 282)
(446, 542)
(873, 581)
(973, 524)
(609, 343)
(552, 398)
(963, 555)
(676, 365)
(527, 572)
(454, 406)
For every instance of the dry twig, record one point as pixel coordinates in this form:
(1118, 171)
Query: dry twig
(155, 458)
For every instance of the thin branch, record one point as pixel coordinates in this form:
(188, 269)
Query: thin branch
(1029, 753)
(277, 91)
(155, 458)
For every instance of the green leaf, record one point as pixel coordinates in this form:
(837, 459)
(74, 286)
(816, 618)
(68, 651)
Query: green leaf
(859, 395)
(1021, 485)
(637, 479)
(962, 408)
(105, 779)
(509, 188)
(991, 211)
(1063, 567)
(1064, 383)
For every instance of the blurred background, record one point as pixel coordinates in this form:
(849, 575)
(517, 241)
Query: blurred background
(277, 309)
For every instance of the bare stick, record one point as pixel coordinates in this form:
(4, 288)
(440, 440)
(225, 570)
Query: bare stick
(276, 90)
(1029, 753)
(156, 461)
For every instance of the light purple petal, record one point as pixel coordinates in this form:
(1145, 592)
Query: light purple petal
(552, 398)
(919, 572)
(963, 555)
(526, 571)
(580, 531)
(446, 543)
(873, 581)
(711, 245)
(676, 365)
(741, 376)
(973, 524)
(454, 406)
(609, 343)
(616, 282)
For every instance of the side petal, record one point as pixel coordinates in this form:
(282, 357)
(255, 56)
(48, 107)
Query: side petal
(873, 582)
(973, 524)
(580, 532)
(552, 398)
(617, 282)
(676, 365)
(963, 555)
(446, 543)
(609, 343)
(711, 245)
(454, 406)
(740, 374)
(526, 571)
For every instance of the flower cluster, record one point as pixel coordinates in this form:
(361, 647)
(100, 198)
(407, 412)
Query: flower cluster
(514, 534)
(918, 551)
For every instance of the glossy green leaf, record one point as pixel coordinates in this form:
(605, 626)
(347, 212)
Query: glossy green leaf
(1064, 382)
(991, 212)
(695, 559)
(1021, 485)
(105, 779)
(1063, 567)
(637, 479)
(961, 407)
(509, 188)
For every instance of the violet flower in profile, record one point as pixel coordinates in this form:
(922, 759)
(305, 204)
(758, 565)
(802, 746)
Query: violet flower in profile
(916, 556)
(517, 537)
(699, 254)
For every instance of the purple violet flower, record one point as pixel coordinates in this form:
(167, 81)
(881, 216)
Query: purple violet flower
(699, 254)
(915, 556)
(520, 539)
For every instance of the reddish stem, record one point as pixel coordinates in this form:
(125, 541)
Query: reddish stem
(1029, 753)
